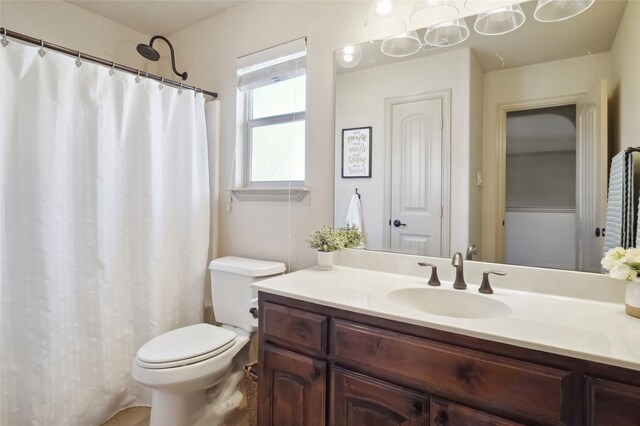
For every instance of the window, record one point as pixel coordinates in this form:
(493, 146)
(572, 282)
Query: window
(273, 85)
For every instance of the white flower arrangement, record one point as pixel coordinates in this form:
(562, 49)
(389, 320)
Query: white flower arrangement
(353, 236)
(622, 264)
(326, 239)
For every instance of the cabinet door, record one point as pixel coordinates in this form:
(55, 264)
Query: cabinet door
(611, 403)
(445, 413)
(362, 401)
(292, 389)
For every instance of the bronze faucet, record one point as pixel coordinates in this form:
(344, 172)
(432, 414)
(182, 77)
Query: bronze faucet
(459, 283)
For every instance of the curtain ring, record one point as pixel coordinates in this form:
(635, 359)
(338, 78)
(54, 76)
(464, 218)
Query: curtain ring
(41, 51)
(4, 38)
(112, 71)
(78, 61)
(180, 89)
(161, 85)
(138, 77)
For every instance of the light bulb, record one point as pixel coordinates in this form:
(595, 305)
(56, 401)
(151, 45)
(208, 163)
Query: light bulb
(383, 7)
(349, 56)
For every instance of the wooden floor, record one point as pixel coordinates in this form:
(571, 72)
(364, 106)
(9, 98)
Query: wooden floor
(134, 416)
(139, 416)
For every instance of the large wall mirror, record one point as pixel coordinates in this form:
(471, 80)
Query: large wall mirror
(500, 141)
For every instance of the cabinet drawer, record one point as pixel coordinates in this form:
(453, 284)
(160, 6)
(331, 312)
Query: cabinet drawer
(445, 413)
(529, 389)
(294, 328)
(611, 403)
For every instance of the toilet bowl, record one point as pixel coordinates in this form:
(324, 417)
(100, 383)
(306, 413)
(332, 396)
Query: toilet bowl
(182, 366)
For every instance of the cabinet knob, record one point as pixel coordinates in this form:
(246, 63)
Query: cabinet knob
(441, 418)
(416, 409)
(317, 372)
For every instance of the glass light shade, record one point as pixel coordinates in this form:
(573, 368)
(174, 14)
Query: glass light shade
(431, 12)
(401, 45)
(478, 6)
(349, 56)
(447, 33)
(559, 10)
(377, 26)
(500, 21)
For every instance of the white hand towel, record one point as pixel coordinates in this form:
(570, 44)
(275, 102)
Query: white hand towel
(354, 214)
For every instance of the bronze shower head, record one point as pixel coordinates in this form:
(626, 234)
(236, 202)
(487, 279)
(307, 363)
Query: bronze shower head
(147, 51)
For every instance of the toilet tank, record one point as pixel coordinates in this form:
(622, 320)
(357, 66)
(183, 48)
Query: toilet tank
(231, 279)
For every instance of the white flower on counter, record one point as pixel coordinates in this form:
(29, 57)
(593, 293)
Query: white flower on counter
(622, 264)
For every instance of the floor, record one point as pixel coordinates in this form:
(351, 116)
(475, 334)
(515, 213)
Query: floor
(139, 416)
(134, 416)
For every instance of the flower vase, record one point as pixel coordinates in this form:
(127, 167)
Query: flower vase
(632, 298)
(325, 260)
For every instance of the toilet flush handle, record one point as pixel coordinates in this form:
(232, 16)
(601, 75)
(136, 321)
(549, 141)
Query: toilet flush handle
(254, 312)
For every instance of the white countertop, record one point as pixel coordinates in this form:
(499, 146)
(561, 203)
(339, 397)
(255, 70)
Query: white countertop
(580, 328)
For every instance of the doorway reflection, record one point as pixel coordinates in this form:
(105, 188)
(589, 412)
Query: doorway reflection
(540, 217)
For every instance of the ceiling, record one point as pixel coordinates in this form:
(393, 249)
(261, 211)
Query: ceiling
(153, 17)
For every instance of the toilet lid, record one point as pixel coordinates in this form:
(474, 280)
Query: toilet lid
(184, 346)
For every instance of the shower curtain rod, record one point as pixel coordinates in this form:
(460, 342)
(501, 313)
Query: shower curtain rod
(110, 64)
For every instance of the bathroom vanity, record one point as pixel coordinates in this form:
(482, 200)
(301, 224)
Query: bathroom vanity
(336, 349)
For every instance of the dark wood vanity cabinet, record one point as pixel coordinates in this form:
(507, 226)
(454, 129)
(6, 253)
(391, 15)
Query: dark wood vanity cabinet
(293, 389)
(359, 400)
(447, 413)
(611, 403)
(325, 366)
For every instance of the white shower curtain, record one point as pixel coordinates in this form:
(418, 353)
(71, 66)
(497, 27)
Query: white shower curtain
(104, 232)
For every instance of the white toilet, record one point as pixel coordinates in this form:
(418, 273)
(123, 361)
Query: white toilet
(181, 365)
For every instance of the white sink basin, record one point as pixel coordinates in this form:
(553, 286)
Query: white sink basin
(450, 303)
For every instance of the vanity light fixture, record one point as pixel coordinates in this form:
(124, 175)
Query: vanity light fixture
(477, 6)
(401, 45)
(349, 56)
(447, 34)
(430, 12)
(384, 20)
(500, 21)
(559, 10)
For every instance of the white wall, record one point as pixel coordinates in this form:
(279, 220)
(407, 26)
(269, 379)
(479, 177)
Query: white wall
(69, 26)
(208, 50)
(515, 85)
(360, 102)
(625, 64)
(475, 155)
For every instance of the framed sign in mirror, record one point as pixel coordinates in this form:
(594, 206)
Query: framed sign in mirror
(356, 152)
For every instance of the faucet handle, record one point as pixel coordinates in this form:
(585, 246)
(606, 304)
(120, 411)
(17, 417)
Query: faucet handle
(433, 280)
(485, 287)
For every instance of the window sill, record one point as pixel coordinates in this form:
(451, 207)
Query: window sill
(270, 194)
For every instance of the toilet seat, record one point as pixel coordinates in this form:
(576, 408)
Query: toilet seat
(186, 345)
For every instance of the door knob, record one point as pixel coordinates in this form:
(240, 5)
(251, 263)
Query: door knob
(398, 224)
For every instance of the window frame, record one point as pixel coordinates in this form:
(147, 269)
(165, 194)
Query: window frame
(252, 123)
